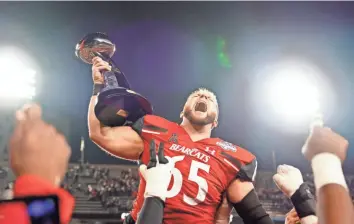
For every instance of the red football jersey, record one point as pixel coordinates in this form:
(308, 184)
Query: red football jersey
(203, 170)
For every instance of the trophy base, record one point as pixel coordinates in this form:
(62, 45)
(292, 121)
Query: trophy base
(116, 106)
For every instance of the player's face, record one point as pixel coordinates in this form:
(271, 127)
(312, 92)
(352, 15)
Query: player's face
(201, 108)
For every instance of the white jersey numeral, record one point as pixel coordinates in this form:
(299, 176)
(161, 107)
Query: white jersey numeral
(193, 176)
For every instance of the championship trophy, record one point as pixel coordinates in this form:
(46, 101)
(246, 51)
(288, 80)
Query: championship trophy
(117, 103)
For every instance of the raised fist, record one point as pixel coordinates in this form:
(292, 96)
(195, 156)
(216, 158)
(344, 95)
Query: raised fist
(288, 179)
(36, 148)
(323, 139)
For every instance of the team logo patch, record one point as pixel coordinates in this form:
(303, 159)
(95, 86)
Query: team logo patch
(173, 138)
(227, 146)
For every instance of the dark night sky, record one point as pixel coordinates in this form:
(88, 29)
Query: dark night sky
(167, 49)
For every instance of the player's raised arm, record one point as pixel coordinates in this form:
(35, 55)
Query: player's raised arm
(122, 141)
(289, 180)
(327, 150)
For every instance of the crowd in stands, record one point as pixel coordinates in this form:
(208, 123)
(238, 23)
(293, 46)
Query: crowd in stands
(117, 192)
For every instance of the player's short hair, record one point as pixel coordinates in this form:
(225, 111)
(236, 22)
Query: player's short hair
(205, 90)
(211, 93)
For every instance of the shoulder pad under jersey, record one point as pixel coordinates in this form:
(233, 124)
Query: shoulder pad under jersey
(151, 124)
(239, 159)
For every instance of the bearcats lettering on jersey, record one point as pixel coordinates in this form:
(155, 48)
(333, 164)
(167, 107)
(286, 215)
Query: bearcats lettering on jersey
(191, 152)
(203, 170)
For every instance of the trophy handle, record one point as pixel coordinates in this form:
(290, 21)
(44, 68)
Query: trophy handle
(121, 80)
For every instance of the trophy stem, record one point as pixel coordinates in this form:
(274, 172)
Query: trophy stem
(110, 80)
(122, 80)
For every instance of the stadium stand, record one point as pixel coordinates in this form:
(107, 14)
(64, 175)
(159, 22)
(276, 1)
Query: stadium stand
(106, 192)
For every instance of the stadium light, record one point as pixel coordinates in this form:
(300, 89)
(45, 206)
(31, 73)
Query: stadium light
(292, 95)
(287, 94)
(292, 91)
(17, 80)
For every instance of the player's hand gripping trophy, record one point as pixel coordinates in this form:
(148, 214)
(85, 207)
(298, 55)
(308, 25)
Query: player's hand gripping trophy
(117, 103)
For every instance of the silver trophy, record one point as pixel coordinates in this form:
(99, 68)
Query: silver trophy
(117, 103)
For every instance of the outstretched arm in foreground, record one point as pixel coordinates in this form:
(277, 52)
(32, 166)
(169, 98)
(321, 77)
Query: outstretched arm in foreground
(289, 180)
(326, 150)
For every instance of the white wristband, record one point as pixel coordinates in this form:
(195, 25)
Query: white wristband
(327, 169)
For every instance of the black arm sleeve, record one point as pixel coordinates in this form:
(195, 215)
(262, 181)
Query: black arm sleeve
(251, 210)
(152, 211)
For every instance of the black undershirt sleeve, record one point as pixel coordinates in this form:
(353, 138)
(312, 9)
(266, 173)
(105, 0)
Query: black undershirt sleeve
(138, 125)
(251, 211)
(152, 211)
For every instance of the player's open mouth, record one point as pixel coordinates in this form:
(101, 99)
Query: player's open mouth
(201, 106)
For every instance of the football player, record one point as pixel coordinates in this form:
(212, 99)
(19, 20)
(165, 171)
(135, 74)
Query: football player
(205, 169)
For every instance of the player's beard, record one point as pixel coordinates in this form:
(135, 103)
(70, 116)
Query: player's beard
(200, 122)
